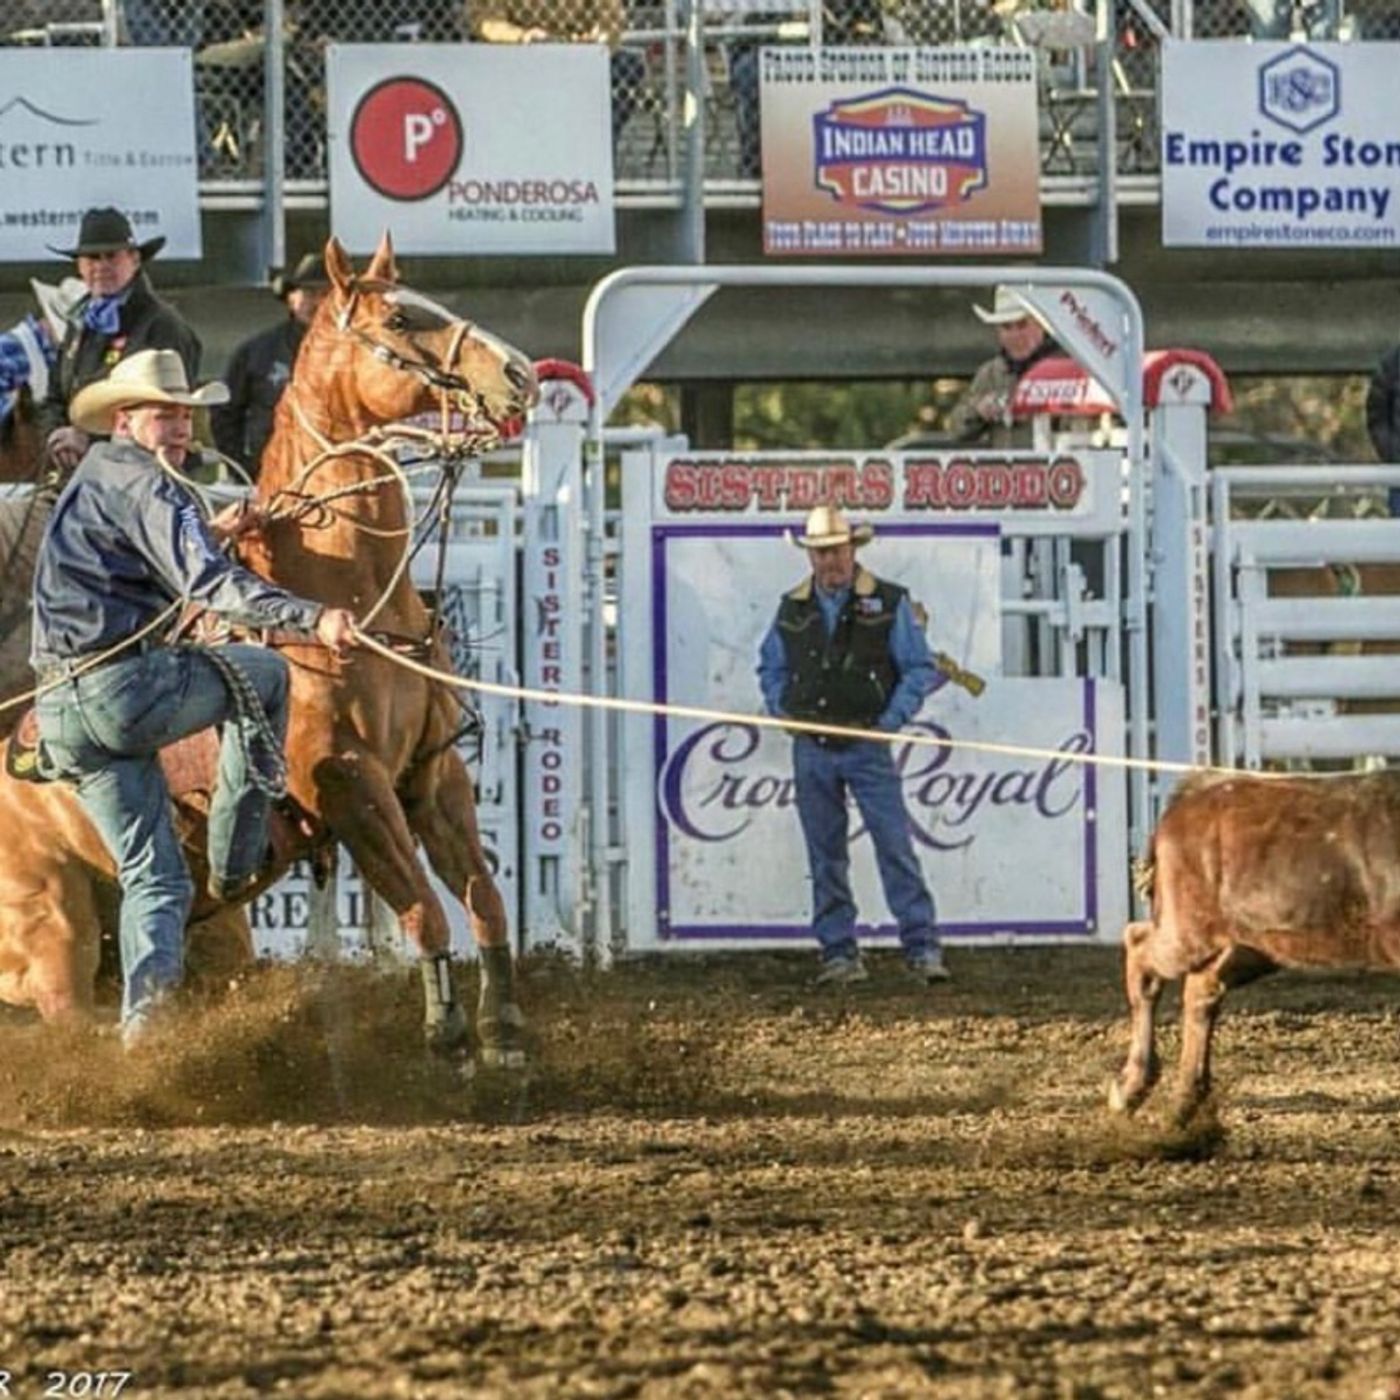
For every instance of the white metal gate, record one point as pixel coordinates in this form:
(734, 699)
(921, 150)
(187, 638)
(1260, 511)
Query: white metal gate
(1292, 679)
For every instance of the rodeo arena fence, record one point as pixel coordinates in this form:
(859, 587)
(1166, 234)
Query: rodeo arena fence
(1130, 614)
(260, 69)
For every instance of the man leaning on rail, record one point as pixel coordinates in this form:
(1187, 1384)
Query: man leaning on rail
(847, 649)
(126, 544)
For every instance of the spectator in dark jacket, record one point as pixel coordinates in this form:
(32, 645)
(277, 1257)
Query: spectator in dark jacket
(119, 315)
(1383, 407)
(261, 367)
(1383, 415)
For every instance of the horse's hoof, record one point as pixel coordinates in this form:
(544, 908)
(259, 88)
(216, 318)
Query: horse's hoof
(451, 1036)
(503, 1038)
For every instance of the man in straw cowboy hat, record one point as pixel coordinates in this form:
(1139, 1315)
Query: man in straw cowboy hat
(261, 367)
(119, 316)
(125, 542)
(848, 649)
(983, 414)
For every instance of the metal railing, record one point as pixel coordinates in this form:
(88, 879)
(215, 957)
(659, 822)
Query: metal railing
(236, 113)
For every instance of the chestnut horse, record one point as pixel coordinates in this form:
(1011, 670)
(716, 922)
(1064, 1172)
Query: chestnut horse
(22, 517)
(370, 746)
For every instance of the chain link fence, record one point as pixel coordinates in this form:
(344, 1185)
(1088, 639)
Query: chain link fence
(648, 57)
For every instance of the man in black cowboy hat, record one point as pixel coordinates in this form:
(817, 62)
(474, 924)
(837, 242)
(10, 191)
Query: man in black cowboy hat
(119, 315)
(261, 367)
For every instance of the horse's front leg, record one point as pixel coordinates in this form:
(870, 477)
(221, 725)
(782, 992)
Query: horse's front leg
(441, 810)
(357, 800)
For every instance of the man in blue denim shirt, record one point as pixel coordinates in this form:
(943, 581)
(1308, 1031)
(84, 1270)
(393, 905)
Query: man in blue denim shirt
(126, 540)
(847, 649)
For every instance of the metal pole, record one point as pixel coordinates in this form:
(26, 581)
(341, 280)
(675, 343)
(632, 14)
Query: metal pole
(275, 134)
(692, 241)
(1105, 241)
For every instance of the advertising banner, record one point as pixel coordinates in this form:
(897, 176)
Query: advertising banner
(1046, 493)
(1279, 145)
(1009, 844)
(73, 137)
(446, 145)
(925, 151)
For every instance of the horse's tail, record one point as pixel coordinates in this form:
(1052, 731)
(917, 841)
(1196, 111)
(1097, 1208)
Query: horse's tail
(1144, 877)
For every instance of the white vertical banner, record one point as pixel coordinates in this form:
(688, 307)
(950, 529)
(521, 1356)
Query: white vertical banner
(84, 128)
(1279, 145)
(471, 148)
(552, 659)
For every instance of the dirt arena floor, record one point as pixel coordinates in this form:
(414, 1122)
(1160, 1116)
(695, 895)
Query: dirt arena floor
(716, 1181)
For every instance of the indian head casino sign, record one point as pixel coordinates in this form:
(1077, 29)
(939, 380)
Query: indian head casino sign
(443, 143)
(899, 151)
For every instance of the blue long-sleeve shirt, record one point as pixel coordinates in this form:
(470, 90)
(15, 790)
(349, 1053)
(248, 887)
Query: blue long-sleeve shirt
(125, 540)
(918, 674)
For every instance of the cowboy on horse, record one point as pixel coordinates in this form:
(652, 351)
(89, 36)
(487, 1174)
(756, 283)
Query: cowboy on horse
(125, 546)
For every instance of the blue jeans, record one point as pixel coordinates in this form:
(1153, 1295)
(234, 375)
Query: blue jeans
(865, 770)
(104, 731)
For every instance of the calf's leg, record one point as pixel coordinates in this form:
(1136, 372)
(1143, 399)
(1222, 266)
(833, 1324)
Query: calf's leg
(1140, 1069)
(1201, 996)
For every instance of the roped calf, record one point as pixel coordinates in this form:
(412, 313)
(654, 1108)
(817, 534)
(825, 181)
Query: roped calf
(1250, 874)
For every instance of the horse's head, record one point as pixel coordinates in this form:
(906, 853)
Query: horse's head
(411, 355)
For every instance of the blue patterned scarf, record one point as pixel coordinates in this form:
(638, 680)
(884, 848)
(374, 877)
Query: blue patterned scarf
(104, 314)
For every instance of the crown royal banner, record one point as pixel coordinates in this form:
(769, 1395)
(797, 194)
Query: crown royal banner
(920, 151)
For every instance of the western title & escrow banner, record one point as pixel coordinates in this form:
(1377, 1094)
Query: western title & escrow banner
(80, 128)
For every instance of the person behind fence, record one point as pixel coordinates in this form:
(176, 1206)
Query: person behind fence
(1383, 415)
(847, 648)
(126, 540)
(844, 22)
(983, 414)
(261, 367)
(574, 22)
(120, 315)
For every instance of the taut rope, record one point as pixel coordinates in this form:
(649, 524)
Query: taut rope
(835, 731)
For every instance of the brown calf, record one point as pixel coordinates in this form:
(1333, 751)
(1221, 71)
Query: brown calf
(1249, 874)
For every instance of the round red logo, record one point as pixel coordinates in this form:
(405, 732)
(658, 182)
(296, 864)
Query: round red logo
(406, 138)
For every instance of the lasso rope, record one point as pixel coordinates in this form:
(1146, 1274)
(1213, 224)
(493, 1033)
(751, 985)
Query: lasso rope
(253, 728)
(833, 731)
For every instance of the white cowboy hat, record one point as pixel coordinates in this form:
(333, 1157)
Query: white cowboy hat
(148, 376)
(826, 526)
(1007, 306)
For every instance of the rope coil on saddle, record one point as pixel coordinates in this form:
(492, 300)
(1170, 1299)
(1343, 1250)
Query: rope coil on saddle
(262, 749)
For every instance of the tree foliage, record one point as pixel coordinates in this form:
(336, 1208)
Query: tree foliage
(1294, 418)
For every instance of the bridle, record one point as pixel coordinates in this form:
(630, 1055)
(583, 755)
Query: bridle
(434, 373)
(447, 445)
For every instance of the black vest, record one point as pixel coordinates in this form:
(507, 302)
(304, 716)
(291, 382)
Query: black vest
(846, 678)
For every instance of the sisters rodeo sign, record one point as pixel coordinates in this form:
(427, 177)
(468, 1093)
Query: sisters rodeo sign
(1009, 844)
